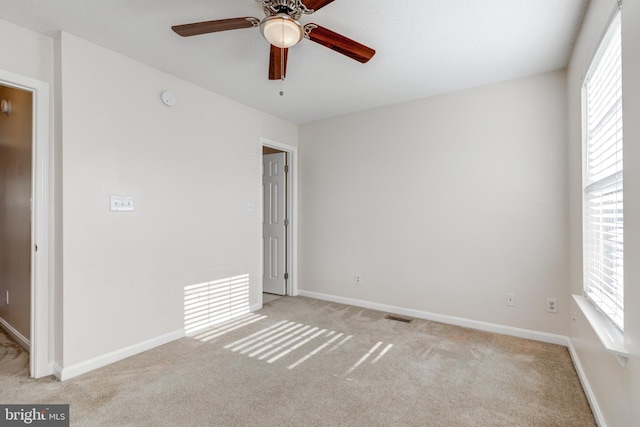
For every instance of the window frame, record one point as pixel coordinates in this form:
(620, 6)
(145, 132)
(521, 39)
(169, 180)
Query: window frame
(613, 311)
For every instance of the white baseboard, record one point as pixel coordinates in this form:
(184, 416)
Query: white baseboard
(588, 391)
(21, 339)
(56, 370)
(98, 362)
(451, 320)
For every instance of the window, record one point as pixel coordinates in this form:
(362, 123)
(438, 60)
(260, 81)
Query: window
(602, 178)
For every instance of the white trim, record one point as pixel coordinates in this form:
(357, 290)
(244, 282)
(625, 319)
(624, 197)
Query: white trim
(72, 371)
(22, 340)
(588, 391)
(293, 212)
(255, 307)
(39, 365)
(451, 320)
(56, 370)
(610, 336)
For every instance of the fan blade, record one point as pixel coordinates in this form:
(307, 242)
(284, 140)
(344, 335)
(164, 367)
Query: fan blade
(276, 62)
(316, 4)
(206, 27)
(339, 43)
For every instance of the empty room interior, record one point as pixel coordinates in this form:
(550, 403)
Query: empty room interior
(396, 214)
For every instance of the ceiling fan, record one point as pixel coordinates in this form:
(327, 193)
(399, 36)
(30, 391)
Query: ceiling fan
(282, 29)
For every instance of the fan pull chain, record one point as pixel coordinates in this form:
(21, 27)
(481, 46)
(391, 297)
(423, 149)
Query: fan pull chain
(281, 71)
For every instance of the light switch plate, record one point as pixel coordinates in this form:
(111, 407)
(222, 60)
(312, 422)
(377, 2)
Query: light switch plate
(122, 204)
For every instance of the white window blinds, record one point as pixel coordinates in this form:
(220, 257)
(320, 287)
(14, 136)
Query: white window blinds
(602, 198)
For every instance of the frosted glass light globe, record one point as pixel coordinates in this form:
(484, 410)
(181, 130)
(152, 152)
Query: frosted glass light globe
(281, 30)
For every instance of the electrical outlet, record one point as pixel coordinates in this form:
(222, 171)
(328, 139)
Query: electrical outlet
(552, 305)
(358, 279)
(511, 300)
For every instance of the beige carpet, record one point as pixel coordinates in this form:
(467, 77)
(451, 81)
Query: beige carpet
(303, 362)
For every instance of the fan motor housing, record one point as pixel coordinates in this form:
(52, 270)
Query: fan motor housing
(292, 8)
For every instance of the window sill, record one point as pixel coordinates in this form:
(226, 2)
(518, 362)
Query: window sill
(610, 336)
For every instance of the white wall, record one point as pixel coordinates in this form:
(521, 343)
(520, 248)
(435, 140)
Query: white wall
(616, 389)
(443, 205)
(25, 52)
(193, 169)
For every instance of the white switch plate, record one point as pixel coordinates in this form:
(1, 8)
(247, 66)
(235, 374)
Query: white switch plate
(121, 203)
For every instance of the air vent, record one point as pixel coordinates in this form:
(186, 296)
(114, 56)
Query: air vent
(398, 318)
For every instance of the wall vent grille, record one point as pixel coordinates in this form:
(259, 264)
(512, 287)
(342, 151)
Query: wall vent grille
(398, 318)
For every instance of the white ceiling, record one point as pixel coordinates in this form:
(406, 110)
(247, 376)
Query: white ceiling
(424, 47)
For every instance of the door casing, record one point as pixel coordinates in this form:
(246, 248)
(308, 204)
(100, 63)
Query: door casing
(39, 361)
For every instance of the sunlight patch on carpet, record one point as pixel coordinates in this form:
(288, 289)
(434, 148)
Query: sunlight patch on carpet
(285, 337)
(211, 303)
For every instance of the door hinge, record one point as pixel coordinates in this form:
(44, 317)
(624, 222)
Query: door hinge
(286, 222)
(286, 169)
(286, 276)
(36, 247)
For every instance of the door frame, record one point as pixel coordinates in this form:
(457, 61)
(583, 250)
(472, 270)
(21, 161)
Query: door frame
(292, 213)
(39, 351)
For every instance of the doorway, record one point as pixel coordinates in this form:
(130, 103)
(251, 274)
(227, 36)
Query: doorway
(279, 230)
(16, 136)
(24, 204)
(275, 221)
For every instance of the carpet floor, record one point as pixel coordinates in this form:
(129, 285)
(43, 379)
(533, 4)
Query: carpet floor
(304, 362)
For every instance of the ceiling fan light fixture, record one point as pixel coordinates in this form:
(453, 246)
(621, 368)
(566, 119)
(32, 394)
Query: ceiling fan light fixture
(281, 30)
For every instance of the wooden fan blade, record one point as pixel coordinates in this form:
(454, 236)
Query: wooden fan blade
(276, 60)
(339, 43)
(206, 27)
(316, 4)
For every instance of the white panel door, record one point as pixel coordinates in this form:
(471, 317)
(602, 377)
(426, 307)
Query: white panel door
(274, 228)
